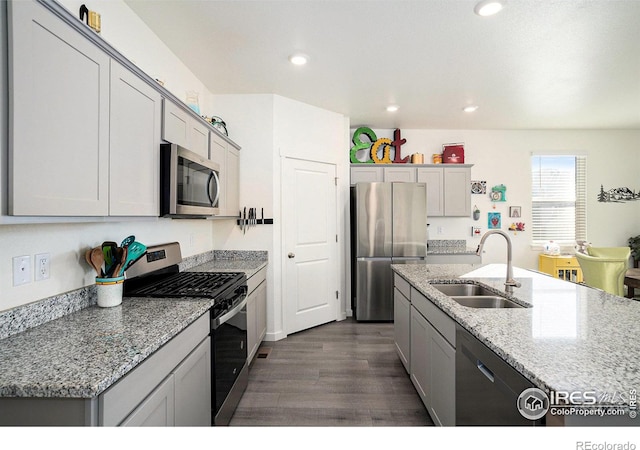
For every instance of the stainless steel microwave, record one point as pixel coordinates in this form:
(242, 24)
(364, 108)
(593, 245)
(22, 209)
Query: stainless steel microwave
(189, 183)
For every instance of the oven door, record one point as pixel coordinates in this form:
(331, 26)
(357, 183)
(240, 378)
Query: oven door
(190, 183)
(229, 341)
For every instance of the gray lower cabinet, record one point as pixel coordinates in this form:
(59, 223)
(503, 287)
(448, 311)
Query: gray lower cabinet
(256, 312)
(170, 387)
(157, 410)
(180, 399)
(402, 320)
(433, 357)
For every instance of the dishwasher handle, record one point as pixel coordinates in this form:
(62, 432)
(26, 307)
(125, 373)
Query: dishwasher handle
(485, 371)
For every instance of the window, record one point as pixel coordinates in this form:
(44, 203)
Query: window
(558, 198)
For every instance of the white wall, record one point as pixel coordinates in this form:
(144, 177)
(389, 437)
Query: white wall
(268, 128)
(66, 243)
(503, 157)
(249, 120)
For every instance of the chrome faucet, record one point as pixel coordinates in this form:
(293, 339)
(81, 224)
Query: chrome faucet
(510, 283)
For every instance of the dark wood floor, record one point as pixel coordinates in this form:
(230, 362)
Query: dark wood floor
(340, 374)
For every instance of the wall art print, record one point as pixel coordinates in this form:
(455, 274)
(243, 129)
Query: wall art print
(617, 195)
(478, 187)
(494, 221)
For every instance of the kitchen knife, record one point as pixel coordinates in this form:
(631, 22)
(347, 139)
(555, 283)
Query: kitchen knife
(244, 221)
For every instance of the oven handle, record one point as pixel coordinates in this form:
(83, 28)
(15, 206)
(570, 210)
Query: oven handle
(226, 317)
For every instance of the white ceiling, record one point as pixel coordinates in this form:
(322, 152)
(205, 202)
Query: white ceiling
(538, 64)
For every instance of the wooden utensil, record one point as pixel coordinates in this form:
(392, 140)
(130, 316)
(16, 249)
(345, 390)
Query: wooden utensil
(97, 260)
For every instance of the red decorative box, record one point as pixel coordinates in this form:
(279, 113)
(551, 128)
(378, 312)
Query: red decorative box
(453, 153)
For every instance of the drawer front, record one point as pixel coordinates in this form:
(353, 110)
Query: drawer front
(402, 285)
(567, 263)
(445, 325)
(256, 279)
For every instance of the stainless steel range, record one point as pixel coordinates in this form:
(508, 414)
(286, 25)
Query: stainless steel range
(157, 275)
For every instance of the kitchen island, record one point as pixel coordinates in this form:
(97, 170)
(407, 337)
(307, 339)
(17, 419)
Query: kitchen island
(70, 363)
(568, 337)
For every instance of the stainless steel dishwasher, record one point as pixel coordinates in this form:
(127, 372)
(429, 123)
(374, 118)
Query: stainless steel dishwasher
(487, 388)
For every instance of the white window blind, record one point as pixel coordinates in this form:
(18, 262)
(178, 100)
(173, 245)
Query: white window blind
(558, 191)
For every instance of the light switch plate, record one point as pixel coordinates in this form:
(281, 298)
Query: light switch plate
(21, 270)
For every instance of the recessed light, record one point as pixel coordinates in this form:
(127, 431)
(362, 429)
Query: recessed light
(488, 7)
(470, 108)
(392, 108)
(298, 59)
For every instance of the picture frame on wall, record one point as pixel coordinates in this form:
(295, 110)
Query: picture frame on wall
(494, 221)
(515, 211)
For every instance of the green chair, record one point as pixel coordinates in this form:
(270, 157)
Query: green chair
(605, 267)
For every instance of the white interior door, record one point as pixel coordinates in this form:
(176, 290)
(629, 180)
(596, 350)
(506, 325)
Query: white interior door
(309, 208)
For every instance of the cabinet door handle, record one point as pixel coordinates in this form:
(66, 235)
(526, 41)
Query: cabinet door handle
(291, 255)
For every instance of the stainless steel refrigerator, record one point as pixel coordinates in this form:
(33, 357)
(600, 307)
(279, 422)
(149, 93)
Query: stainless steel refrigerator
(389, 226)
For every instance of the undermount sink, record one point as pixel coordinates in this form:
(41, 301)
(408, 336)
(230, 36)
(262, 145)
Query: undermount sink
(475, 296)
(462, 289)
(486, 301)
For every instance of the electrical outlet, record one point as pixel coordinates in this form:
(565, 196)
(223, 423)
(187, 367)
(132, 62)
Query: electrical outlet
(440, 230)
(42, 266)
(21, 270)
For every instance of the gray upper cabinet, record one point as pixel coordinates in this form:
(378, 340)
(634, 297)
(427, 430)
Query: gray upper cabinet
(134, 145)
(227, 156)
(181, 128)
(448, 185)
(59, 117)
(367, 173)
(448, 189)
(85, 125)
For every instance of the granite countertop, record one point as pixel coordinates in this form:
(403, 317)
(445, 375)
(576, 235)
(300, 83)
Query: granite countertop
(570, 338)
(81, 354)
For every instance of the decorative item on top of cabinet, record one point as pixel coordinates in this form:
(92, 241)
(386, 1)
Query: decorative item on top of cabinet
(453, 153)
(379, 150)
(92, 18)
(217, 123)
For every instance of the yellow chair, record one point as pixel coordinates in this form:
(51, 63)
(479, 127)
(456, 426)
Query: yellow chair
(605, 267)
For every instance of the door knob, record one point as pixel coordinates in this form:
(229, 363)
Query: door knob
(291, 255)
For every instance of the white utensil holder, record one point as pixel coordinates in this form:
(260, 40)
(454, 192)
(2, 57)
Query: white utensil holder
(109, 291)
